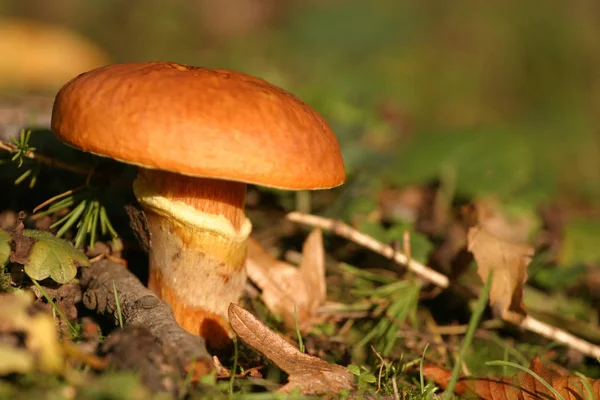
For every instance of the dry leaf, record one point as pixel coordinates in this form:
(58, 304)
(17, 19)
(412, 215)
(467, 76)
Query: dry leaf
(512, 227)
(285, 286)
(520, 386)
(310, 374)
(42, 350)
(509, 262)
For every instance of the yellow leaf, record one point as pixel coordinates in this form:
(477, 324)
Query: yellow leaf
(42, 345)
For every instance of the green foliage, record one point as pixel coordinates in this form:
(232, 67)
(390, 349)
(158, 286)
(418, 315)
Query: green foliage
(366, 379)
(22, 147)
(393, 302)
(482, 302)
(420, 245)
(21, 150)
(581, 242)
(53, 257)
(5, 240)
(559, 278)
(87, 214)
(115, 386)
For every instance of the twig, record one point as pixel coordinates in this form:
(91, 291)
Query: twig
(51, 162)
(141, 309)
(461, 329)
(58, 196)
(395, 386)
(88, 171)
(380, 368)
(346, 231)
(529, 323)
(559, 335)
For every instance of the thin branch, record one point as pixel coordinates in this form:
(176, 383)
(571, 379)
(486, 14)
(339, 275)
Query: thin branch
(529, 323)
(347, 232)
(58, 196)
(51, 162)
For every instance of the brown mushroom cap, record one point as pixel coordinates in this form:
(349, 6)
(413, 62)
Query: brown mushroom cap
(39, 56)
(199, 122)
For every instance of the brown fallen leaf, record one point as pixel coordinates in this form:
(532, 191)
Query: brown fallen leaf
(285, 286)
(310, 374)
(521, 386)
(509, 262)
(515, 227)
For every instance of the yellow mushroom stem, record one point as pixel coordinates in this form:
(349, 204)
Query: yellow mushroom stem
(199, 238)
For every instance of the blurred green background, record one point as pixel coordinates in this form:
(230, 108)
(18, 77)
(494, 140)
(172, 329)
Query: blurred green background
(500, 96)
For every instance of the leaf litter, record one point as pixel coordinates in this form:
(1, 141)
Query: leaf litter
(309, 374)
(41, 349)
(509, 262)
(294, 293)
(522, 385)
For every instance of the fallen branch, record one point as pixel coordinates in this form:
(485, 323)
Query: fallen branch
(529, 323)
(140, 308)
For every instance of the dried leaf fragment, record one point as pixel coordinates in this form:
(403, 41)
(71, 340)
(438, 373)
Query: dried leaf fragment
(509, 263)
(520, 386)
(513, 225)
(285, 286)
(310, 374)
(42, 350)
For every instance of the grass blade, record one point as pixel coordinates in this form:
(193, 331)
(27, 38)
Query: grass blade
(530, 372)
(473, 323)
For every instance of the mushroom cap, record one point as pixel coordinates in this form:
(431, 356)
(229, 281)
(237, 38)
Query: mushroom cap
(199, 122)
(42, 56)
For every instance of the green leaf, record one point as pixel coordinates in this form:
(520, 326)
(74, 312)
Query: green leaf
(369, 378)
(53, 257)
(5, 240)
(580, 242)
(354, 369)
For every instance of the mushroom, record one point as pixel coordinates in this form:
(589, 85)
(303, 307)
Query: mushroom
(199, 137)
(40, 57)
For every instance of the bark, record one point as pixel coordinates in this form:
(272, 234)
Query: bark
(160, 343)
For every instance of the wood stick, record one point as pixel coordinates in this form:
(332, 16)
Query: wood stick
(529, 323)
(141, 308)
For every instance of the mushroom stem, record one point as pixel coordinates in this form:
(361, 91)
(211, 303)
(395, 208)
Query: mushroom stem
(198, 247)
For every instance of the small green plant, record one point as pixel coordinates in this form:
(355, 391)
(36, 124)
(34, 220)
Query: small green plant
(298, 334)
(21, 155)
(5, 240)
(118, 304)
(87, 210)
(394, 301)
(482, 302)
(52, 257)
(87, 214)
(365, 378)
(22, 148)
